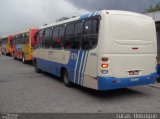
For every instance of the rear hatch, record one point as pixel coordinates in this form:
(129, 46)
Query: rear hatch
(133, 45)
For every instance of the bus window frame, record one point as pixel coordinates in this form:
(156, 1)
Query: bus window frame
(92, 18)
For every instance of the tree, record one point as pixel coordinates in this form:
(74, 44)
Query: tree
(153, 8)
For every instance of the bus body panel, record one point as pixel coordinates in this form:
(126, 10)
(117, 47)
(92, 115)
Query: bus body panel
(77, 63)
(130, 47)
(108, 83)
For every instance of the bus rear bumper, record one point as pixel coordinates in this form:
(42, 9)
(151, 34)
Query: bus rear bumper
(158, 69)
(109, 83)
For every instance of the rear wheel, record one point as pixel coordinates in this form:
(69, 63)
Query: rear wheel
(36, 67)
(65, 78)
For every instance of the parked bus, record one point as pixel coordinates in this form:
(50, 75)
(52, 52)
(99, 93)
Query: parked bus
(102, 50)
(6, 45)
(22, 45)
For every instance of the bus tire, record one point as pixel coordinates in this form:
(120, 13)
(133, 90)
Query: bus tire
(37, 70)
(23, 59)
(65, 78)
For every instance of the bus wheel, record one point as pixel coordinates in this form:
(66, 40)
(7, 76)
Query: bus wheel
(23, 59)
(66, 79)
(36, 67)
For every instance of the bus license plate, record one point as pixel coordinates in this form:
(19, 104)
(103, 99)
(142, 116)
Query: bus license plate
(134, 79)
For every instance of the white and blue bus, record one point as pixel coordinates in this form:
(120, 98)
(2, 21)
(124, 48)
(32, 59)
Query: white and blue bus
(102, 50)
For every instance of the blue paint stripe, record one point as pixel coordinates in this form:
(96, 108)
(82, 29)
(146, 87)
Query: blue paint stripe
(105, 83)
(91, 14)
(78, 67)
(84, 68)
(75, 68)
(81, 73)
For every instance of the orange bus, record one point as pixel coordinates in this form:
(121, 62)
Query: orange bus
(22, 45)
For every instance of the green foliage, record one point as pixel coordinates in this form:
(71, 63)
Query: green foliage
(153, 8)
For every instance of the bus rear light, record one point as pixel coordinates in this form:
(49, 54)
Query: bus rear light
(104, 59)
(104, 71)
(104, 65)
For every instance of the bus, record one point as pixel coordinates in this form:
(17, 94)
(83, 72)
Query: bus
(101, 50)
(23, 44)
(6, 45)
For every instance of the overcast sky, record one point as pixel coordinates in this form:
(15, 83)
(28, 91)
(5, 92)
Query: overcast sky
(18, 15)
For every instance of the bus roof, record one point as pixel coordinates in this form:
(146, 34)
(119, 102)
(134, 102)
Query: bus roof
(96, 13)
(4, 37)
(24, 31)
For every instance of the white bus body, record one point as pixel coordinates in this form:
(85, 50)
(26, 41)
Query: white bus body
(124, 56)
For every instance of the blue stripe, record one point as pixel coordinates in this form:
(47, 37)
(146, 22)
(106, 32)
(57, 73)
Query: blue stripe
(99, 12)
(83, 73)
(106, 83)
(91, 14)
(72, 65)
(78, 67)
(75, 68)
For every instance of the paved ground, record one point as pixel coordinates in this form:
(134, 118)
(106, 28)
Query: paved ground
(22, 90)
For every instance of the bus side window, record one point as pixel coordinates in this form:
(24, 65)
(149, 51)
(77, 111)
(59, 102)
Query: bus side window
(77, 35)
(19, 41)
(87, 27)
(55, 38)
(36, 39)
(69, 36)
(61, 36)
(90, 36)
(43, 40)
(95, 26)
(46, 40)
(26, 38)
(41, 36)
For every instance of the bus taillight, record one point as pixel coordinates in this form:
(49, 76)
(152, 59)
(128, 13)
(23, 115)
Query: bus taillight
(104, 65)
(104, 59)
(104, 71)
